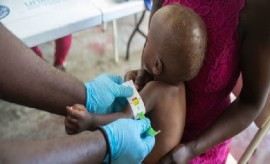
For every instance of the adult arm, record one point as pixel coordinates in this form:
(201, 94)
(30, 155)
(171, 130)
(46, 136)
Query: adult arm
(255, 67)
(81, 148)
(28, 80)
(123, 140)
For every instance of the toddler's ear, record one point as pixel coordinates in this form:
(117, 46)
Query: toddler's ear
(158, 68)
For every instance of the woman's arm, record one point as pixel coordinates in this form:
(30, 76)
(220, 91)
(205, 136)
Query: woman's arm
(81, 148)
(255, 67)
(27, 80)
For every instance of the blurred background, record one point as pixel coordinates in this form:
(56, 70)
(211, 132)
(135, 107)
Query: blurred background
(91, 54)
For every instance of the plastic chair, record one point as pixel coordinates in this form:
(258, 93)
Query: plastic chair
(263, 123)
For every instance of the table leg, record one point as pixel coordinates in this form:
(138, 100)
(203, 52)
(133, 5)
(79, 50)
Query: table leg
(115, 38)
(137, 29)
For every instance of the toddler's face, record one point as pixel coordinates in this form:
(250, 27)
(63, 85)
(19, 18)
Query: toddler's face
(154, 46)
(148, 57)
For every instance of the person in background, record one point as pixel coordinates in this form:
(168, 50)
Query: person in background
(62, 47)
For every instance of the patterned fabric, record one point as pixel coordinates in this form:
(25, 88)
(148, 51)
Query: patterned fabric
(208, 93)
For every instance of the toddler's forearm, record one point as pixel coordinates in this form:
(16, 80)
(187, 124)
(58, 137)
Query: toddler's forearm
(101, 120)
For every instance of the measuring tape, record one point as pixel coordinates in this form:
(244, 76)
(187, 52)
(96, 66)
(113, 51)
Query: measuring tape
(137, 106)
(135, 101)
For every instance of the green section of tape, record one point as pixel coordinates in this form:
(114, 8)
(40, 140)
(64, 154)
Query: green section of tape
(141, 115)
(149, 131)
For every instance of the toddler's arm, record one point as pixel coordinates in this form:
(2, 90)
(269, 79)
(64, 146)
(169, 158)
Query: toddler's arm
(78, 119)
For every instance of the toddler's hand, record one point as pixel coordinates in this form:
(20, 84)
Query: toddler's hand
(78, 119)
(140, 77)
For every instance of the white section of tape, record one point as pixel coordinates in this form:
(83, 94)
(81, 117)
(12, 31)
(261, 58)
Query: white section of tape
(135, 101)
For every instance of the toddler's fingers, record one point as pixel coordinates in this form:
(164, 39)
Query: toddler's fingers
(69, 110)
(72, 120)
(70, 124)
(70, 131)
(74, 113)
(131, 75)
(79, 107)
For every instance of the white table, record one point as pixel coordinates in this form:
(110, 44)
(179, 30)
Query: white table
(36, 22)
(115, 9)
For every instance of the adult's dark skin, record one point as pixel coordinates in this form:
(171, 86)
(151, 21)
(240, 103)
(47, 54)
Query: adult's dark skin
(27, 85)
(82, 148)
(28, 80)
(254, 53)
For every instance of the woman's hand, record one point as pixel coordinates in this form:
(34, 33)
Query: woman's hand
(181, 154)
(140, 77)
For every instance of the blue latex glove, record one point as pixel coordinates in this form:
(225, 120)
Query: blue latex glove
(102, 91)
(128, 140)
(118, 104)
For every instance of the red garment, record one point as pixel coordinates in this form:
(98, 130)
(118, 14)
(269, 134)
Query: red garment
(208, 93)
(37, 51)
(62, 46)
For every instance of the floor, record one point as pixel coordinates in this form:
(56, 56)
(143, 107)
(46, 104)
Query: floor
(240, 142)
(92, 53)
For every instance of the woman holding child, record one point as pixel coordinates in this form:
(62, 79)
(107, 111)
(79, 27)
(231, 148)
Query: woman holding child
(238, 41)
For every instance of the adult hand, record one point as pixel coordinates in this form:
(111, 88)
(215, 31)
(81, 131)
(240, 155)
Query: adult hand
(102, 91)
(181, 154)
(140, 77)
(128, 140)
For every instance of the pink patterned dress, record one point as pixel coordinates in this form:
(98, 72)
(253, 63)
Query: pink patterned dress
(208, 93)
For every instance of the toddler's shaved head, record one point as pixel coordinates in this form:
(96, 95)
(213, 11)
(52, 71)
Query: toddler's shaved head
(178, 38)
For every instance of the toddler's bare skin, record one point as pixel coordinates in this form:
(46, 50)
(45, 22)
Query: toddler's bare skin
(174, 53)
(78, 119)
(165, 107)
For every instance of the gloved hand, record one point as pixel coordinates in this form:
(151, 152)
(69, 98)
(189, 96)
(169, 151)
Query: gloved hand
(128, 140)
(102, 91)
